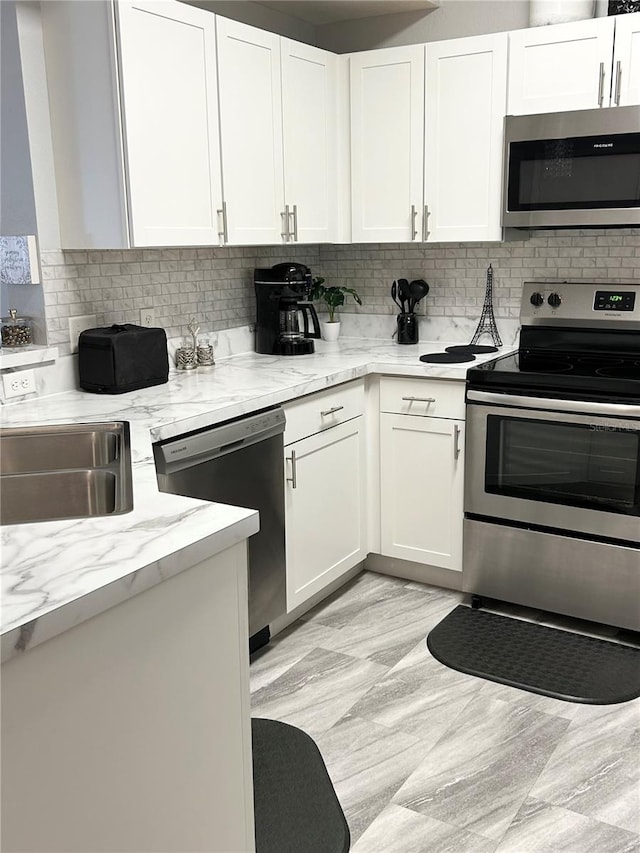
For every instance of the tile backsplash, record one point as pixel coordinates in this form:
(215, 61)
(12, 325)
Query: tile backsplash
(215, 285)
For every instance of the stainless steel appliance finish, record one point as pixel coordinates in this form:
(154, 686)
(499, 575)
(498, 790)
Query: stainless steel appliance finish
(552, 485)
(59, 472)
(241, 463)
(590, 580)
(572, 169)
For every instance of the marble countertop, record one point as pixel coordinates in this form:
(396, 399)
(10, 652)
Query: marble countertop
(58, 574)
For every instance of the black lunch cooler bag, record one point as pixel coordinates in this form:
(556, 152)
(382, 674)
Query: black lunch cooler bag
(119, 358)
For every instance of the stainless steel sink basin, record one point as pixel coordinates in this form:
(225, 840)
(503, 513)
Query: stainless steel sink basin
(68, 471)
(55, 448)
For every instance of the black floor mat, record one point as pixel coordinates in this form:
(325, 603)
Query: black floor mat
(536, 658)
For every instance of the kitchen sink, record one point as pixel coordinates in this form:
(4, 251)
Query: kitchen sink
(66, 471)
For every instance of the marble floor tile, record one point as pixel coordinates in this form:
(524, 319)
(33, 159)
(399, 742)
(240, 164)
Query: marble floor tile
(424, 707)
(285, 649)
(398, 830)
(387, 629)
(340, 608)
(525, 699)
(541, 828)
(479, 773)
(595, 770)
(367, 764)
(316, 691)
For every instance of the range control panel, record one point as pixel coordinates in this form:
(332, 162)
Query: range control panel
(581, 303)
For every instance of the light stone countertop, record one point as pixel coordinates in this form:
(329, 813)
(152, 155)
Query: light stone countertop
(58, 574)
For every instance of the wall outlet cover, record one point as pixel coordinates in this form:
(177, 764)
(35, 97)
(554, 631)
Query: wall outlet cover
(148, 317)
(18, 383)
(77, 325)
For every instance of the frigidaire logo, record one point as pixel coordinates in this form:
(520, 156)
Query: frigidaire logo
(603, 144)
(175, 450)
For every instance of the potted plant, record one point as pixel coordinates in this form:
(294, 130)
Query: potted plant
(334, 298)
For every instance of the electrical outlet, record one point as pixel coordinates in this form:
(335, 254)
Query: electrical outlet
(147, 316)
(19, 383)
(77, 325)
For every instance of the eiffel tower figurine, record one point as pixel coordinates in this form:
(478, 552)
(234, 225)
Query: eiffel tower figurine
(487, 319)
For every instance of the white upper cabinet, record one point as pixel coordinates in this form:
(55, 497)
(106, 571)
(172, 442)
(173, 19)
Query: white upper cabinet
(251, 133)
(466, 89)
(309, 92)
(626, 61)
(387, 133)
(560, 67)
(170, 114)
(134, 120)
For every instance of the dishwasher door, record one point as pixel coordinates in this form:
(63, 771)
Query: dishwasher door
(240, 463)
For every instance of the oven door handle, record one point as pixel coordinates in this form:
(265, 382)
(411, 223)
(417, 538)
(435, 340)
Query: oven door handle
(625, 410)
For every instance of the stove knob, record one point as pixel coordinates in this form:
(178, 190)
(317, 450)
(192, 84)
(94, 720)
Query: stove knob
(537, 299)
(555, 300)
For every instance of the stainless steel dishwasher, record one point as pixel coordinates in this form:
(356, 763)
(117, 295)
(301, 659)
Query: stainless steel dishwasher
(239, 462)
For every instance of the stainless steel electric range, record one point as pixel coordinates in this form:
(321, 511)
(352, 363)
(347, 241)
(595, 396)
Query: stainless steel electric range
(552, 488)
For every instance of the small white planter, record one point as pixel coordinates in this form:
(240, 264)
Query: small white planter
(543, 12)
(330, 331)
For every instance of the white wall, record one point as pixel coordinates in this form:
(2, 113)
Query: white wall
(260, 16)
(453, 19)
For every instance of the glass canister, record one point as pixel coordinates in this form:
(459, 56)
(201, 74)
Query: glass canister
(16, 331)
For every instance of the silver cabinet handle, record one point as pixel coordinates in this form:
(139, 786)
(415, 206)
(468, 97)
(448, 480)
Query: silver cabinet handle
(295, 223)
(331, 411)
(414, 230)
(420, 399)
(601, 85)
(425, 220)
(456, 441)
(224, 234)
(616, 97)
(285, 221)
(293, 479)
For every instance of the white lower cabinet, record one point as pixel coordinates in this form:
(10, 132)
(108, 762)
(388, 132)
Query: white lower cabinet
(421, 489)
(325, 508)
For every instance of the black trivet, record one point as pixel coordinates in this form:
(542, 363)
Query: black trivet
(536, 658)
(446, 358)
(471, 349)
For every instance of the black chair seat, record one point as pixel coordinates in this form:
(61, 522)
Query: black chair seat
(295, 805)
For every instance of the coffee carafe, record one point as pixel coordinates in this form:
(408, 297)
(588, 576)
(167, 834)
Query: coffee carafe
(283, 295)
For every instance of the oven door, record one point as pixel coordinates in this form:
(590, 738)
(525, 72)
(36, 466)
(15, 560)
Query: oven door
(534, 462)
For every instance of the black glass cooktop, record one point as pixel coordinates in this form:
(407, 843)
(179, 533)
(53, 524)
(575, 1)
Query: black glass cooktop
(586, 376)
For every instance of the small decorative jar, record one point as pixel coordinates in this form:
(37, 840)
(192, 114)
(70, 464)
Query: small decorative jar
(204, 353)
(186, 358)
(16, 331)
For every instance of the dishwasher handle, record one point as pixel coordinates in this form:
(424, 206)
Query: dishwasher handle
(177, 454)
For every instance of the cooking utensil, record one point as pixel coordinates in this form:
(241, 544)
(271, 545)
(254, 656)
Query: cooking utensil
(394, 292)
(403, 293)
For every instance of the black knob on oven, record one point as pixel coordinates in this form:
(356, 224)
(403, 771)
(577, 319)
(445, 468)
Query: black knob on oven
(555, 300)
(536, 299)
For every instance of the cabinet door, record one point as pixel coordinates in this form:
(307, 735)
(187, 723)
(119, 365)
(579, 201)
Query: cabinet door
(387, 133)
(325, 508)
(560, 67)
(251, 132)
(466, 91)
(167, 57)
(626, 61)
(309, 132)
(421, 489)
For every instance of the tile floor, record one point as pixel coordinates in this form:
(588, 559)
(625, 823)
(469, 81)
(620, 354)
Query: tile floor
(425, 759)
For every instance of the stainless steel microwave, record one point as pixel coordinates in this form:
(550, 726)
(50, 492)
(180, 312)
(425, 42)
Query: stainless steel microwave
(572, 169)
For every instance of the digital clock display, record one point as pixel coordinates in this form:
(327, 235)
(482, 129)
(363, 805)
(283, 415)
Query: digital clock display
(609, 300)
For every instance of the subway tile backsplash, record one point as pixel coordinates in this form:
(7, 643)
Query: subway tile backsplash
(215, 285)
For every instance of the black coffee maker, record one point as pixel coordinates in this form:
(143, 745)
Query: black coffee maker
(283, 300)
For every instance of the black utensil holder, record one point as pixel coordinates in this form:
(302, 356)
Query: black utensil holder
(407, 328)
